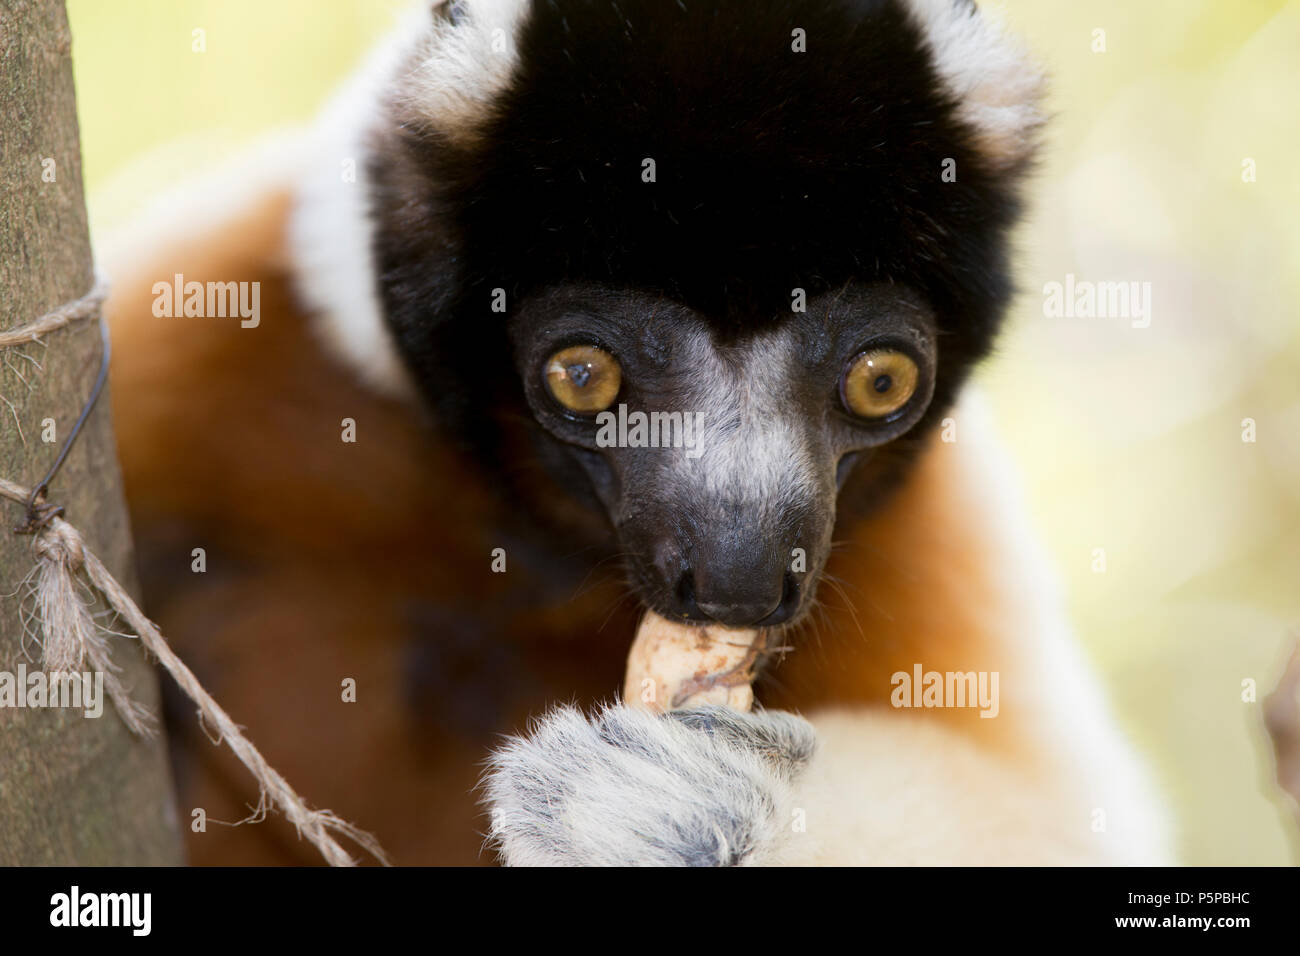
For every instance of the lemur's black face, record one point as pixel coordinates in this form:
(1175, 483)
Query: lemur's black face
(718, 458)
(670, 223)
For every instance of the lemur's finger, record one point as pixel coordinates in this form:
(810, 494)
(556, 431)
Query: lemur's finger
(673, 666)
(1282, 718)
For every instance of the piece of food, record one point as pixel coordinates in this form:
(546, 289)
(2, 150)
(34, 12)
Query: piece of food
(673, 666)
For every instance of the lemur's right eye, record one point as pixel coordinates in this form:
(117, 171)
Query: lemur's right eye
(583, 378)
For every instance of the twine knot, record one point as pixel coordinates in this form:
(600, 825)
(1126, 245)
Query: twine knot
(57, 611)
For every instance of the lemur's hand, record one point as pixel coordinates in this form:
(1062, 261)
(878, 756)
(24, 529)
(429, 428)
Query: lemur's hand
(707, 787)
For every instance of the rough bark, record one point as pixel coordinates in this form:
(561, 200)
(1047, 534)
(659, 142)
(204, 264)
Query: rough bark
(73, 790)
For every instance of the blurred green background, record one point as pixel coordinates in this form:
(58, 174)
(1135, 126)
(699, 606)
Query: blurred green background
(1129, 439)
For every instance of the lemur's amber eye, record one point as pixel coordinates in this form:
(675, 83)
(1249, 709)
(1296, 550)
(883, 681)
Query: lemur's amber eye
(583, 378)
(878, 383)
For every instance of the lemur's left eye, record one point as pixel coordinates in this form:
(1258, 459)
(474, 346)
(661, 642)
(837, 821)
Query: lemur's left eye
(878, 383)
(583, 378)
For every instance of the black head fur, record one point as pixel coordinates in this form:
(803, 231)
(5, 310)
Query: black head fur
(774, 170)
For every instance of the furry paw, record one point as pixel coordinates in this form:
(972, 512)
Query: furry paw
(707, 787)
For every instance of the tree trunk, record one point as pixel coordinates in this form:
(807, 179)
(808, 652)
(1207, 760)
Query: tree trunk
(73, 790)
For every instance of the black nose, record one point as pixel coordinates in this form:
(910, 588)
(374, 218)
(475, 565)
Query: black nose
(737, 600)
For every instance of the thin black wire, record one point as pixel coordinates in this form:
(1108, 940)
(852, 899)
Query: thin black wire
(39, 514)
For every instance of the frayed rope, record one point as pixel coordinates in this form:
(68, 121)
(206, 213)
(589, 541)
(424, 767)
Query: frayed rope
(87, 307)
(69, 635)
